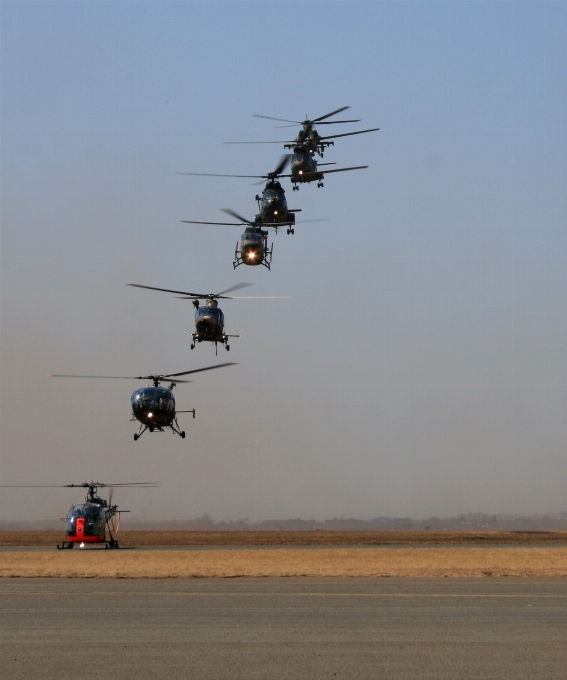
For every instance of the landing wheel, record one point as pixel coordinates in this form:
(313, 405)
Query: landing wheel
(136, 437)
(228, 348)
(192, 345)
(292, 231)
(288, 231)
(183, 434)
(151, 429)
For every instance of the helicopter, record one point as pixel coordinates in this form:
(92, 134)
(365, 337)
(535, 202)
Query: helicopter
(254, 241)
(153, 406)
(88, 522)
(272, 204)
(304, 168)
(253, 244)
(209, 320)
(308, 136)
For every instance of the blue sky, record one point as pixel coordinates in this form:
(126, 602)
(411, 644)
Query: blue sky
(420, 366)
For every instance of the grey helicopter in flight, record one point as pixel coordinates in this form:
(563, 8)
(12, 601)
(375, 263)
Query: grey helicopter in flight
(153, 405)
(209, 319)
(272, 203)
(304, 168)
(308, 139)
(253, 248)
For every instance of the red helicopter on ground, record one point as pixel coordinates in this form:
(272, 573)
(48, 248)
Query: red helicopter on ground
(89, 522)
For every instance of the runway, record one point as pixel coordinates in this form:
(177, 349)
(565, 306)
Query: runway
(284, 628)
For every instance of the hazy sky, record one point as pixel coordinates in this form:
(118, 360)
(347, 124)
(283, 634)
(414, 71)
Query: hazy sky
(421, 365)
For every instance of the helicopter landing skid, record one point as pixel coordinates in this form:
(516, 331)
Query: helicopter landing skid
(174, 425)
(68, 545)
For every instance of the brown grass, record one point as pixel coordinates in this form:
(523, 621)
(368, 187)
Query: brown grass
(318, 538)
(352, 562)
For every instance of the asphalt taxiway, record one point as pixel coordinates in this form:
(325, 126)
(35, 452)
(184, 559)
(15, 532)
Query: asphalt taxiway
(283, 628)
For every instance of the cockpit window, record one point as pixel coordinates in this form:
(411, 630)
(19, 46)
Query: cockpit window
(209, 311)
(87, 511)
(252, 237)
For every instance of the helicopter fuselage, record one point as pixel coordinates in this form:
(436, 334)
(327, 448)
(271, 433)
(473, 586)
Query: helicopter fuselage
(304, 166)
(154, 407)
(86, 523)
(253, 247)
(209, 323)
(273, 205)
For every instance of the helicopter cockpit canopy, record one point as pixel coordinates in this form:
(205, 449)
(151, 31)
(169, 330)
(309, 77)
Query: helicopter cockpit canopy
(215, 312)
(92, 514)
(252, 236)
(271, 195)
(300, 154)
(156, 398)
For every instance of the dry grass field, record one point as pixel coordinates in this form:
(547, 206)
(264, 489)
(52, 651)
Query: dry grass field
(298, 538)
(350, 562)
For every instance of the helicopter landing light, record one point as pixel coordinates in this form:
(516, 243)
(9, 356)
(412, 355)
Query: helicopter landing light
(81, 545)
(150, 415)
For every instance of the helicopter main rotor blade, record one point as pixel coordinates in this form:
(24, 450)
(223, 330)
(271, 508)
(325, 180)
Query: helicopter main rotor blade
(187, 295)
(285, 141)
(102, 377)
(86, 485)
(323, 122)
(332, 122)
(222, 224)
(328, 115)
(111, 377)
(232, 213)
(348, 134)
(238, 286)
(199, 370)
(209, 174)
(326, 172)
(32, 486)
(168, 290)
(283, 120)
(284, 160)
